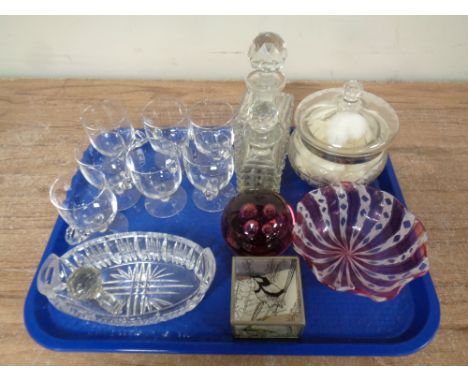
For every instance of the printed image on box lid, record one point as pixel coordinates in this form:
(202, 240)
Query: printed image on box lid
(266, 290)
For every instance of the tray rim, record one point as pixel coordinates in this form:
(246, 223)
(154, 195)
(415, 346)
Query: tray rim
(242, 347)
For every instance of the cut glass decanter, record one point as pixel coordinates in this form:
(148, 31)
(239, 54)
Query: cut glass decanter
(262, 124)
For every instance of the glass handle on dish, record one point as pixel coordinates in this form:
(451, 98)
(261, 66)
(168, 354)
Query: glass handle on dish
(48, 277)
(210, 263)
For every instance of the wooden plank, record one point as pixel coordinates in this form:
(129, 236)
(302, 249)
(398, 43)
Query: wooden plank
(39, 126)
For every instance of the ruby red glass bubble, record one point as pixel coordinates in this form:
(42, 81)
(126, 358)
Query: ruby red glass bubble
(258, 223)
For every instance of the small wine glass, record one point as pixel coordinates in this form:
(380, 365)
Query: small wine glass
(165, 118)
(210, 175)
(87, 209)
(211, 127)
(157, 173)
(92, 163)
(108, 127)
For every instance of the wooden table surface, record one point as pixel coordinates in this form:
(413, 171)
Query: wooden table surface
(39, 127)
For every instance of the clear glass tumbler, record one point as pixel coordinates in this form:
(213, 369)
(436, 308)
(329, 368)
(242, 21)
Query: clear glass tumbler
(157, 173)
(87, 209)
(210, 175)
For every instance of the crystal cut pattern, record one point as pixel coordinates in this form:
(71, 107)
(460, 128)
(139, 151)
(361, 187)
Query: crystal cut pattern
(144, 285)
(153, 276)
(268, 52)
(360, 239)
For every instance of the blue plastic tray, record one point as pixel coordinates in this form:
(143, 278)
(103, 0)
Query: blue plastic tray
(336, 323)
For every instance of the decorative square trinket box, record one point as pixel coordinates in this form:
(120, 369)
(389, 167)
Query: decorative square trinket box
(266, 297)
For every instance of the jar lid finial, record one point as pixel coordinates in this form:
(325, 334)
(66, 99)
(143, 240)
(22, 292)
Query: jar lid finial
(352, 91)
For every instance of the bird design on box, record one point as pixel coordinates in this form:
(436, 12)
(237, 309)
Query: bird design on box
(267, 287)
(269, 294)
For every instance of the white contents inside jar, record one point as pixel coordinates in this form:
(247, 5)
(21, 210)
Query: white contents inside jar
(318, 170)
(341, 135)
(345, 128)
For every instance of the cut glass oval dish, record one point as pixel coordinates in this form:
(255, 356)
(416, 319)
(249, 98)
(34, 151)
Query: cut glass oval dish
(128, 279)
(360, 239)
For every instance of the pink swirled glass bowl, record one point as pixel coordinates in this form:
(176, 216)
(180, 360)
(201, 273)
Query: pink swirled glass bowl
(360, 239)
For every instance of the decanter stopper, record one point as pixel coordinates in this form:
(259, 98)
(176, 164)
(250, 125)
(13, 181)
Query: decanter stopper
(85, 284)
(267, 55)
(268, 52)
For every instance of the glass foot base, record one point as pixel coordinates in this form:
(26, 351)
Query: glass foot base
(128, 199)
(173, 206)
(120, 224)
(217, 204)
(74, 236)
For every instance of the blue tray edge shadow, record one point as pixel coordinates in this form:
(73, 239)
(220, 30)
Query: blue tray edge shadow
(411, 345)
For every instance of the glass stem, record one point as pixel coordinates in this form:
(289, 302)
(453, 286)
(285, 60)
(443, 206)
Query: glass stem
(74, 235)
(210, 195)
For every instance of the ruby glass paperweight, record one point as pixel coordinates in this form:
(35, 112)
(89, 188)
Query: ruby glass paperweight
(258, 223)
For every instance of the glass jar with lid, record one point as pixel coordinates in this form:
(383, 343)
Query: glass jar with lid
(342, 134)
